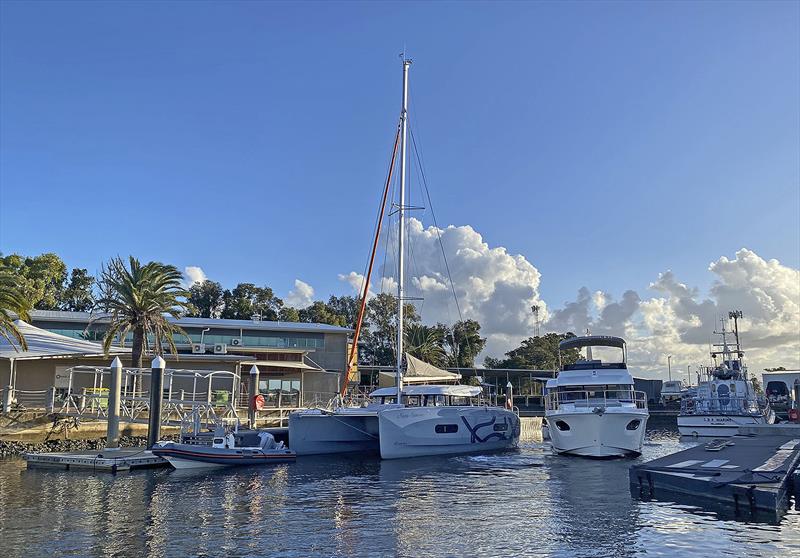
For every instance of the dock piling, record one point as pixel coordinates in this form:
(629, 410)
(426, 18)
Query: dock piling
(8, 397)
(112, 433)
(251, 407)
(156, 395)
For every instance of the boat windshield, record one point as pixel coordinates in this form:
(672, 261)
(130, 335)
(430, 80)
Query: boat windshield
(430, 400)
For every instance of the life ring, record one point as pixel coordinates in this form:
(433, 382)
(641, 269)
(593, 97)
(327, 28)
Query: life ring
(259, 402)
(794, 415)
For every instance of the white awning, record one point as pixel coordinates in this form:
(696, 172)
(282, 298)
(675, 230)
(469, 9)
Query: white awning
(46, 344)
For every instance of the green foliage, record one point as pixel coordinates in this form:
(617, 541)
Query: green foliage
(380, 341)
(139, 298)
(321, 313)
(289, 314)
(78, 296)
(426, 343)
(756, 385)
(41, 279)
(346, 307)
(248, 300)
(206, 299)
(13, 304)
(463, 343)
(777, 369)
(537, 353)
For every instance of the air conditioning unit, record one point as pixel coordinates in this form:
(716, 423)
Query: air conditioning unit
(236, 342)
(220, 348)
(198, 348)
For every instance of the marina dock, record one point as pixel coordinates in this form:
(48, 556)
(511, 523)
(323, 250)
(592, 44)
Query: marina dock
(746, 473)
(110, 461)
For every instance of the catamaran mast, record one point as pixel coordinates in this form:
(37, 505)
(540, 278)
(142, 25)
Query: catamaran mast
(401, 212)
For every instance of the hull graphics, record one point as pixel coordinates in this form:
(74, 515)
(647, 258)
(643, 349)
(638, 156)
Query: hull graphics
(589, 434)
(422, 431)
(718, 426)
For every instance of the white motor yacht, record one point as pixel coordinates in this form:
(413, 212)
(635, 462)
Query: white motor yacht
(726, 400)
(591, 407)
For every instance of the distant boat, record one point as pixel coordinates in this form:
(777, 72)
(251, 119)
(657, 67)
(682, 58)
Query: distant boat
(406, 421)
(591, 407)
(672, 390)
(726, 400)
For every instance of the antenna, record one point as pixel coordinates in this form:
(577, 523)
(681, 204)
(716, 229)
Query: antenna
(535, 310)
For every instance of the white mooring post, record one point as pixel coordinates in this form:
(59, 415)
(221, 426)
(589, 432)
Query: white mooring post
(51, 400)
(251, 407)
(112, 432)
(156, 394)
(8, 397)
(510, 396)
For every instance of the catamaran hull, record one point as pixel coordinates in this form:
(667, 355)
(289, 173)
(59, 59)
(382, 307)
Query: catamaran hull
(318, 433)
(589, 434)
(718, 426)
(424, 431)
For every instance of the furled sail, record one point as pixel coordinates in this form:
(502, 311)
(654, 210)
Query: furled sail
(418, 372)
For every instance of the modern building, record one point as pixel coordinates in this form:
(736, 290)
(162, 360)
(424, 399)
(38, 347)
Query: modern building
(286, 353)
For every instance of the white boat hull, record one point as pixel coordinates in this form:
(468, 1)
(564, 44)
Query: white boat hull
(179, 463)
(717, 426)
(423, 431)
(318, 433)
(597, 435)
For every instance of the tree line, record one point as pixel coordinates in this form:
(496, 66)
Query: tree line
(137, 297)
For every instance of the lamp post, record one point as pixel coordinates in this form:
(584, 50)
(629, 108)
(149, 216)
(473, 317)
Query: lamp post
(689, 374)
(669, 366)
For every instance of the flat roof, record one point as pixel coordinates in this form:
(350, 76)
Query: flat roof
(86, 317)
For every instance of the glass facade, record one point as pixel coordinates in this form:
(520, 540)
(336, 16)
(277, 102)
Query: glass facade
(259, 339)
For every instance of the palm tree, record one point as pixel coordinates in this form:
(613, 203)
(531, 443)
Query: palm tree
(140, 298)
(425, 343)
(12, 302)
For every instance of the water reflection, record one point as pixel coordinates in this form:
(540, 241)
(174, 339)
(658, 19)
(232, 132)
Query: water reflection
(526, 502)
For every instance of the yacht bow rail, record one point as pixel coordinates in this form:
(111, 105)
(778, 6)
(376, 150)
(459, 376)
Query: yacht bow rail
(586, 399)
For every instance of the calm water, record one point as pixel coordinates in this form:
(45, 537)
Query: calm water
(519, 503)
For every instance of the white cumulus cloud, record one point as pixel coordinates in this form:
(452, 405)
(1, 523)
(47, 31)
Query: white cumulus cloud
(193, 274)
(498, 288)
(493, 287)
(679, 320)
(302, 296)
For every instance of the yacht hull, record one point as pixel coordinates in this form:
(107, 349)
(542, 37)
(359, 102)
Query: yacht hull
(591, 434)
(423, 431)
(315, 433)
(717, 426)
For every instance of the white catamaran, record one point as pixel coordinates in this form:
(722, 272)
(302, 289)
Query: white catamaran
(726, 400)
(405, 420)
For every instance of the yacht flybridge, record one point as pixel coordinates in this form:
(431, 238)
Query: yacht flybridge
(726, 400)
(591, 407)
(405, 420)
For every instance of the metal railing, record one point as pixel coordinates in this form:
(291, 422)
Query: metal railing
(585, 399)
(722, 405)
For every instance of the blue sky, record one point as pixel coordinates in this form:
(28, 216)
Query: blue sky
(605, 142)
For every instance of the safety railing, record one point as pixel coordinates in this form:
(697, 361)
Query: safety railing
(695, 405)
(584, 399)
